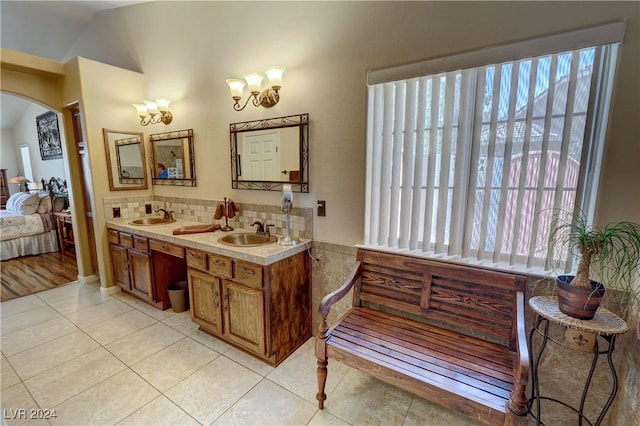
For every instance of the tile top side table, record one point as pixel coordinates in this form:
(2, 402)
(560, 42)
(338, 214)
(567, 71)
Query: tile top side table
(605, 325)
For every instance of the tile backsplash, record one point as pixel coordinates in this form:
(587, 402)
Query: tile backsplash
(199, 210)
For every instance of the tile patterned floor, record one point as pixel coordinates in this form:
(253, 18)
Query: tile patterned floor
(114, 360)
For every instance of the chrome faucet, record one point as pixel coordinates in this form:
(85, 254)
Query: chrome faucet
(168, 215)
(260, 230)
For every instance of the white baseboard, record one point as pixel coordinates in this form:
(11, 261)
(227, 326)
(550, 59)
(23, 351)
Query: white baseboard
(88, 279)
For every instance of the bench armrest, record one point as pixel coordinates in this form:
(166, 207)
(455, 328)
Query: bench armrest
(518, 400)
(521, 342)
(338, 294)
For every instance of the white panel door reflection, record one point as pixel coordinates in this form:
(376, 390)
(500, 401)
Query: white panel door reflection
(260, 155)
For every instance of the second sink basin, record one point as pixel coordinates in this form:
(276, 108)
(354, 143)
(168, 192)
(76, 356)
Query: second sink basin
(150, 221)
(247, 240)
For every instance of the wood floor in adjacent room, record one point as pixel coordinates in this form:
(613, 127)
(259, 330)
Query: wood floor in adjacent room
(32, 274)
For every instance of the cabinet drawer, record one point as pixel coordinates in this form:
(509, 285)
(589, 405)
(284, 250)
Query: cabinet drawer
(220, 265)
(167, 248)
(248, 273)
(197, 259)
(141, 243)
(126, 240)
(113, 236)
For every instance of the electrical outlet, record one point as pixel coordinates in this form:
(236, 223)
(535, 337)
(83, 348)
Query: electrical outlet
(322, 208)
(116, 212)
(148, 209)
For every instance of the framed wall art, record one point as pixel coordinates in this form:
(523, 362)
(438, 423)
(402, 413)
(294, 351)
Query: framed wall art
(49, 136)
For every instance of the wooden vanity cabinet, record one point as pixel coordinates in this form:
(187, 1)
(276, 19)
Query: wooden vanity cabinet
(131, 263)
(265, 310)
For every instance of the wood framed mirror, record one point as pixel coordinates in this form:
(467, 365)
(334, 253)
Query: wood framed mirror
(172, 159)
(265, 154)
(125, 160)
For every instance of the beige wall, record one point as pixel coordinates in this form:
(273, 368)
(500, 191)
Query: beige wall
(103, 96)
(327, 49)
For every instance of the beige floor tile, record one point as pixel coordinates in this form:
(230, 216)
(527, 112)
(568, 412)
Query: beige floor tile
(48, 355)
(98, 313)
(19, 305)
(160, 411)
(35, 335)
(249, 361)
(144, 307)
(297, 373)
(68, 291)
(324, 418)
(17, 405)
(107, 403)
(27, 319)
(268, 404)
(423, 412)
(9, 375)
(69, 379)
(361, 399)
(213, 389)
(79, 302)
(143, 343)
(210, 341)
(119, 326)
(182, 322)
(173, 364)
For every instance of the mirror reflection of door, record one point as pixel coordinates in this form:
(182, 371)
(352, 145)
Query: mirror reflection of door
(260, 155)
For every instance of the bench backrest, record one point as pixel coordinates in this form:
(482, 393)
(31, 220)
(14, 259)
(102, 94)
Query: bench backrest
(470, 300)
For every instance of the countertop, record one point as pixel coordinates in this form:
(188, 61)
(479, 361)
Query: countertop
(208, 241)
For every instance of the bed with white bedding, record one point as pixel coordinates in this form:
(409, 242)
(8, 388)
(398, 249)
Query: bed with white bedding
(22, 235)
(27, 226)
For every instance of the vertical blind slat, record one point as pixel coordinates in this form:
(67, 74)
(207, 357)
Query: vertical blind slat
(445, 163)
(520, 230)
(408, 154)
(542, 166)
(433, 149)
(489, 162)
(505, 192)
(417, 219)
(396, 164)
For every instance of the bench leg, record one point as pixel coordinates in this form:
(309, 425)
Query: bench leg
(322, 380)
(518, 402)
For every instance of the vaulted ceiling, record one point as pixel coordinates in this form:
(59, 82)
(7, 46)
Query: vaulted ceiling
(47, 29)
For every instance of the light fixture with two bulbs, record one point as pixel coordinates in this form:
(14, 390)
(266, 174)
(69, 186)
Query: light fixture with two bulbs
(154, 112)
(266, 98)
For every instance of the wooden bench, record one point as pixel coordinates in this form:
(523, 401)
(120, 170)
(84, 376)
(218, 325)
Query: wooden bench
(451, 334)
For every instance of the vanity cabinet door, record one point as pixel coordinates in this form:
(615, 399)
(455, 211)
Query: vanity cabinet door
(244, 316)
(120, 265)
(141, 277)
(205, 299)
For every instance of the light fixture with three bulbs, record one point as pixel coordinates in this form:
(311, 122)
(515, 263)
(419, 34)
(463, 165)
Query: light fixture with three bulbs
(154, 112)
(266, 98)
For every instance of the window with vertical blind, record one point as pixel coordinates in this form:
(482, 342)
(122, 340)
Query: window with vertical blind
(468, 164)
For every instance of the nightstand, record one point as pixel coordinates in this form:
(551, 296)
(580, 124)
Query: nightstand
(65, 231)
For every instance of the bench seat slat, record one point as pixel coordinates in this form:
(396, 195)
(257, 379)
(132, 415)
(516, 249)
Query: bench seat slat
(464, 360)
(338, 349)
(489, 351)
(413, 353)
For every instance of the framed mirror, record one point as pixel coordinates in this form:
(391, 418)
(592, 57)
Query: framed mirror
(125, 160)
(172, 160)
(265, 154)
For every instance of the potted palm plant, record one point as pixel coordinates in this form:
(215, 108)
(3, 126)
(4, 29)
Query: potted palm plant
(606, 255)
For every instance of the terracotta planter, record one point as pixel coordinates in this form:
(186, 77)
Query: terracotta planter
(578, 302)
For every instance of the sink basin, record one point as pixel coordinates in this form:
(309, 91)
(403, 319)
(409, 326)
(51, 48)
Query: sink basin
(247, 240)
(150, 221)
